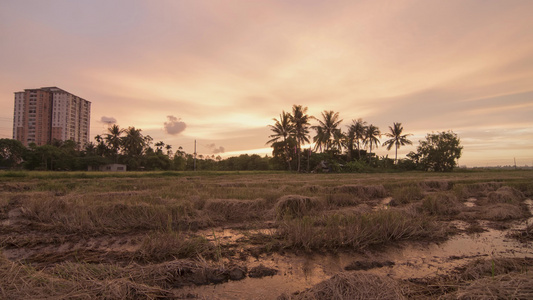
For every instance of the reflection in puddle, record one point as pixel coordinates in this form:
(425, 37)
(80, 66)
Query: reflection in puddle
(412, 260)
(470, 202)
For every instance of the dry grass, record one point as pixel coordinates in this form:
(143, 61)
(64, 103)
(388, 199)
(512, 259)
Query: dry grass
(499, 278)
(296, 206)
(363, 191)
(356, 231)
(502, 212)
(232, 210)
(126, 236)
(406, 194)
(71, 215)
(158, 247)
(516, 286)
(351, 286)
(24, 282)
(435, 185)
(506, 194)
(443, 204)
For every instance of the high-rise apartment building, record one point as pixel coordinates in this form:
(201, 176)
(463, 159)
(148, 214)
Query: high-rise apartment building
(42, 115)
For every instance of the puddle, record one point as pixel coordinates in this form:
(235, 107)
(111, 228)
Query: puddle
(470, 202)
(411, 260)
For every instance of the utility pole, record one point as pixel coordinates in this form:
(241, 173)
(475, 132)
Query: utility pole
(194, 155)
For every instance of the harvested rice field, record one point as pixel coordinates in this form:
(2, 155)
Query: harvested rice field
(459, 235)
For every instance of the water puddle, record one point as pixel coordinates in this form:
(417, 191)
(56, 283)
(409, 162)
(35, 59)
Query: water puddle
(470, 202)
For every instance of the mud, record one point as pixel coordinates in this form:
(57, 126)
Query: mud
(410, 261)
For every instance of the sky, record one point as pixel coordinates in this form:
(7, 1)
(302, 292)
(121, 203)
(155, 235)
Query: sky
(218, 71)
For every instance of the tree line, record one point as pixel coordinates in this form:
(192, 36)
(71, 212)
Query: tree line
(334, 150)
(352, 150)
(127, 146)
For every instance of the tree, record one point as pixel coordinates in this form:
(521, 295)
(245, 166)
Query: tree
(439, 152)
(114, 140)
(372, 135)
(397, 139)
(135, 145)
(300, 121)
(356, 135)
(328, 135)
(282, 130)
(11, 153)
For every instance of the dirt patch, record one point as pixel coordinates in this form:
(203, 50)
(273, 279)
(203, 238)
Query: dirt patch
(367, 265)
(262, 271)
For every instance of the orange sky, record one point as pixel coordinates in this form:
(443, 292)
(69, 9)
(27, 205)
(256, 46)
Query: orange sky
(223, 69)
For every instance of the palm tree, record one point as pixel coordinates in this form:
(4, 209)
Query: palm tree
(283, 129)
(169, 150)
(159, 146)
(134, 142)
(327, 131)
(300, 121)
(356, 134)
(114, 140)
(397, 139)
(372, 135)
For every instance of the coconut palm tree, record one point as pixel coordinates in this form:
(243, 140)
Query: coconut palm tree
(134, 142)
(372, 135)
(282, 129)
(397, 139)
(169, 150)
(300, 121)
(356, 135)
(114, 140)
(327, 132)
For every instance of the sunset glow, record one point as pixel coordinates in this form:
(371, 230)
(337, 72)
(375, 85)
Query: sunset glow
(226, 68)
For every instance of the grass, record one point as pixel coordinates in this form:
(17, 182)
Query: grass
(139, 234)
(358, 231)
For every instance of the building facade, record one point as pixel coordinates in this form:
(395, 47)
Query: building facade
(42, 115)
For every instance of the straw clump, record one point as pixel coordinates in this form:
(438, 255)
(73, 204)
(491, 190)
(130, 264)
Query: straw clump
(445, 204)
(502, 212)
(351, 286)
(505, 194)
(295, 206)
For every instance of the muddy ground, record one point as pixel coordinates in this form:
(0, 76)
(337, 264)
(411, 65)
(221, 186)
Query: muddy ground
(267, 236)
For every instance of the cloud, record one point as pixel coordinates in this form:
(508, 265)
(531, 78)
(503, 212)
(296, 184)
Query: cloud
(216, 150)
(174, 125)
(108, 120)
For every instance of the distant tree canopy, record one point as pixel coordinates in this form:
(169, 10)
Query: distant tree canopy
(11, 153)
(125, 146)
(334, 151)
(352, 151)
(439, 152)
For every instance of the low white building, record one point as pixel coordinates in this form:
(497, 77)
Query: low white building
(109, 168)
